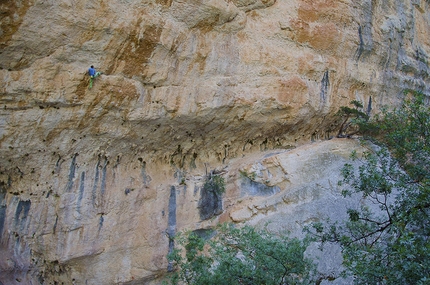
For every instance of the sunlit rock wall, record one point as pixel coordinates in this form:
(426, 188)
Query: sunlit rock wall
(94, 181)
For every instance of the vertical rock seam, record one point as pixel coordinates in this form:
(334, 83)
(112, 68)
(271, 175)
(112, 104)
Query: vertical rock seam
(171, 223)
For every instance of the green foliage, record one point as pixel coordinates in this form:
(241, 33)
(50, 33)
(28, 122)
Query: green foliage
(215, 183)
(406, 132)
(389, 244)
(353, 119)
(251, 176)
(240, 256)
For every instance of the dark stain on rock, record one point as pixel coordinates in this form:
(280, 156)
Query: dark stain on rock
(171, 223)
(369, 106)
(58, 165)
(101, 221)
(81, 192)
(3, 206)
(96, 182)
(103, 182)
(54, 229)
(172, 211)
(21, 213)
(72, 171)
(325, 84)
(252, 188)
(360, 48)
(210, 203)
(365, 36)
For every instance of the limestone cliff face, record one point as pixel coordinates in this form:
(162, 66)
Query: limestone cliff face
(93, 181)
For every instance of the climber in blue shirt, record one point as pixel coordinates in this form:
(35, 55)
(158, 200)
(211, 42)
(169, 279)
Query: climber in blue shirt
(93, 74)
(92, 71)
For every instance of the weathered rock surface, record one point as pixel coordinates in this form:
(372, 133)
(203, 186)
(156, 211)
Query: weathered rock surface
(93, 181)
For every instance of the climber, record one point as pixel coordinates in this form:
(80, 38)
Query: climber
(93, 74)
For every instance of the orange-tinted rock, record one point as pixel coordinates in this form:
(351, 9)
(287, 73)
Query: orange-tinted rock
(93, 181)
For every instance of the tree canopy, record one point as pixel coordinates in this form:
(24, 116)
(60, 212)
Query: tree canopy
(241, 256)
(389, 244)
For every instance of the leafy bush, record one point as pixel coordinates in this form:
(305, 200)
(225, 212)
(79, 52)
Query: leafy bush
(390, 245)
(241, 256)
(215, 183)
(353, 119)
